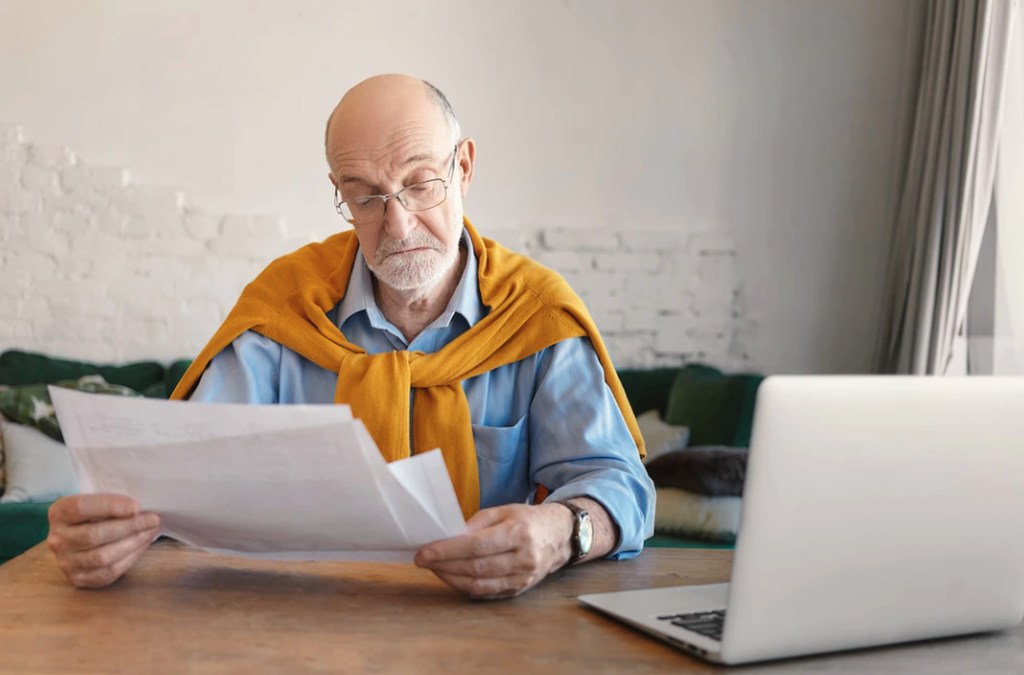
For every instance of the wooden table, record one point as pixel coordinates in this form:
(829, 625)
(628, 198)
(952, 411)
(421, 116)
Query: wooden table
(182, 610)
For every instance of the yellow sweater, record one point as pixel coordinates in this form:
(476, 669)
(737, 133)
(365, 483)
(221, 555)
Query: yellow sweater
(531, 308)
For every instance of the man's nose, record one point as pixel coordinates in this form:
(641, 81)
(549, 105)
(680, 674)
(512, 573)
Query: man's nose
(398, 221)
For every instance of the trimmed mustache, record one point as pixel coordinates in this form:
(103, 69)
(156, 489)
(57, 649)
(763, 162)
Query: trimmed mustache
(416, 239)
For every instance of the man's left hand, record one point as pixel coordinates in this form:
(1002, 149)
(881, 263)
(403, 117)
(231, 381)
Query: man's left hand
(507, 550)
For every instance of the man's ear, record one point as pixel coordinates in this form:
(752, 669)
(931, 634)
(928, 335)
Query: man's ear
(467, 160)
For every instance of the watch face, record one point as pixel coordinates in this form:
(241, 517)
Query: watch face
(586, 534)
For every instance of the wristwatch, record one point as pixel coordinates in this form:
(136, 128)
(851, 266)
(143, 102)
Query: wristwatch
(582, 533)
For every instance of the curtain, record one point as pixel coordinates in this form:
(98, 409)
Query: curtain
(1008, 317)
(948, 182)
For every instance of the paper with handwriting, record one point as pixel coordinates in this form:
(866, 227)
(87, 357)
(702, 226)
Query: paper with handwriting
(285, 482)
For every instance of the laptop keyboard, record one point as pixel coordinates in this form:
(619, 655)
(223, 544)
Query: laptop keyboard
(708, 624)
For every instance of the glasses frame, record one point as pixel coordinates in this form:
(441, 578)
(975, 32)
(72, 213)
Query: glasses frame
(446, 183)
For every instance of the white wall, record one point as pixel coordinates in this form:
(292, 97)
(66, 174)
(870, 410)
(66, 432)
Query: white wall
(775, 123)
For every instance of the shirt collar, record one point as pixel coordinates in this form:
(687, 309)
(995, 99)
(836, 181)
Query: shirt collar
(465, 301)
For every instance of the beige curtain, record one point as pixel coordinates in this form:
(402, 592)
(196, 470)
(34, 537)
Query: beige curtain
(947, 186)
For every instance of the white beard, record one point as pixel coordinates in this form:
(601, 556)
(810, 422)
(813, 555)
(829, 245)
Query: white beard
(412, 271)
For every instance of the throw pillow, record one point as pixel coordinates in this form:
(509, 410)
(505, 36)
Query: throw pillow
(647, 389)
(708, 470)
(31, 404)
(39, 469)
(688, 514)
(659, 437)
(718, 408)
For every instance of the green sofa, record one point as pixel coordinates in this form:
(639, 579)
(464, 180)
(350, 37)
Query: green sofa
(717, 408)
(23, 525)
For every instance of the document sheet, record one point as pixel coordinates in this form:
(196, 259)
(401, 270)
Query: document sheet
(300, 482)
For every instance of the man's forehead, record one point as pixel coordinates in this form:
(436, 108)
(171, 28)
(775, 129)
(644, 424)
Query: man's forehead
(387, 119)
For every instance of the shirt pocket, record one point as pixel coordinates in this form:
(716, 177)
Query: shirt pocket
(502, 445)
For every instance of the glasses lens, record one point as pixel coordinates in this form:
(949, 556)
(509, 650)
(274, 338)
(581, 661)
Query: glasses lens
(423, 196)
(362, 209)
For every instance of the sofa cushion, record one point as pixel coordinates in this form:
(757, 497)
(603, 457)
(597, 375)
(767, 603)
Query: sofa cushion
(718, 408)
(31, 404)
(711, 470)
(659, 437)
(38, 468)
(20, 368)
(688, 514)
(648, 389)
(22, 526)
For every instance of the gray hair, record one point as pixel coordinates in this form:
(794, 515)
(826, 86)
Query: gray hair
(446, 109)
(439, 99)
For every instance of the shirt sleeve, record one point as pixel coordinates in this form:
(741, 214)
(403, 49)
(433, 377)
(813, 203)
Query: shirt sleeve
(580, 445)
(246, 371)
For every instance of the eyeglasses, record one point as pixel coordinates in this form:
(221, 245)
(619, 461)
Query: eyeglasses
(420, 196)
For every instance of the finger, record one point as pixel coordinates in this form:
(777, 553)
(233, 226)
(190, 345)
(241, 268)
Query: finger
(499, 565)
(486, 518)
(492, 588)
(86, 508)
(105, 565)
(92, 535)
(491, 541)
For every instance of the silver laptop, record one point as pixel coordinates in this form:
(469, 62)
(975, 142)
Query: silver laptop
(876, 510)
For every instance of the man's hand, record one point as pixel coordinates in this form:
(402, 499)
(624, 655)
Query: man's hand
(97, 538)
(507, 550)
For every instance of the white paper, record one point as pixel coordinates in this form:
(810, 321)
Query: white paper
(293, 482)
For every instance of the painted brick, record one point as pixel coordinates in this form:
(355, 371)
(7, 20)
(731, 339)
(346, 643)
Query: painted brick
(713, 243)
(168, 244)
(670, 341)
(149, 200)
(31, 263)
(47, 242)
(12, 146)
(50, 156)
(269, 227)
(263, 249)
(201, 226)
(156, 224)
(565, 262)
(15, 199)
(643, 263)
(655, 240)
(11, 134)
(516, 240)
(579, 239)
(9, 176)
(81, 179)
(630, 350)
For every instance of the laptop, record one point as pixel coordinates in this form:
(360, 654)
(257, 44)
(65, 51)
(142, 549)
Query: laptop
(876, 510)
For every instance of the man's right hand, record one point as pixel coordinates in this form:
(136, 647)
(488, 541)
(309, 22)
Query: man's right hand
(97, 538)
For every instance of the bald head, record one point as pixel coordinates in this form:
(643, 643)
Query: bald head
(389, 97)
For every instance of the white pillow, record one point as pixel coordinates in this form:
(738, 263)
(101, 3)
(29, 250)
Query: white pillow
(689, 514)
(660, 437)
(38, 468)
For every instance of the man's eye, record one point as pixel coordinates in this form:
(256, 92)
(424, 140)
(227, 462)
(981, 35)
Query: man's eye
(419, 188)
(362, 201)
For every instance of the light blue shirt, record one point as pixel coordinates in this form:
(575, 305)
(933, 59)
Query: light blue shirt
(548, 419)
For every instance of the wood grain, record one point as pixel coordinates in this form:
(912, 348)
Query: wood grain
(183, 610)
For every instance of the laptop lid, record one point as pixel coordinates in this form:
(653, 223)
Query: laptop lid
(878, 509)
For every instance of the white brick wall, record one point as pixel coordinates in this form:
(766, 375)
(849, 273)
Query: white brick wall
(95, 266)
(660, 298)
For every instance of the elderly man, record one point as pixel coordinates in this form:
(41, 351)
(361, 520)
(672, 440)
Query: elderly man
(437, 338)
